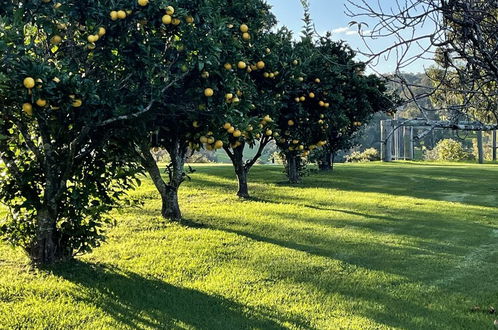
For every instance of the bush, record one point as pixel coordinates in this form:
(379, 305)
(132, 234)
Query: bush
(447, 150)
(369, 155)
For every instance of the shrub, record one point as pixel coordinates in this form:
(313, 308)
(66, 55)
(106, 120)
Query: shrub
(447, 150)
(369, 155)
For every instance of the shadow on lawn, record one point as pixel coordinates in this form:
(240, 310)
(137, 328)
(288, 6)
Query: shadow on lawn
(138, 302)
(454, 183)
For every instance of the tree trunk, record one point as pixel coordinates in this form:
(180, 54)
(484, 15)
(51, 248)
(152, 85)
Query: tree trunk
(292, 168)
(241, 171)
(325, 164)
(43, 250)
(178, 152)
(170, 205)
(49, 246)
(168, 191)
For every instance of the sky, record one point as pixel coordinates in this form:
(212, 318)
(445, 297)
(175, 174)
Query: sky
(329, 15)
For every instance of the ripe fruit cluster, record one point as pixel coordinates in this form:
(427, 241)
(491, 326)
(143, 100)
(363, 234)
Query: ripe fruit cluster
(30, 83)
(119, 14)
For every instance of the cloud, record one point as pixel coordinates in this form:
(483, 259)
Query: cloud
(348, 31)
(341, 30)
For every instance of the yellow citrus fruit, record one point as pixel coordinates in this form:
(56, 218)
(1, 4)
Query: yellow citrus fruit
(290, 123)
(218, 144)
(170, 10)
(260, 65)
(167, 19)
(28, 108)
(210, 140)
(321, 103)
(143, 3)
(268, 119)
(176, 21)
(269, 132)
(228, 66)
(196, 124)
(203, 139)
(41, 103)
(229, 96)
(208, 92)
(55, 40)
(241, 65)
(102, 31)
(227, 125)
(114, 15)
(231, 130)
(297, 99)
(244, 28)
(317, 80)
(77, 103)
(189, 19)
(302, 99)
(205, 74)
(246, 36)
(266, 75)
(237, 133)
(29, 82)
(295, 62)
(327, 105)
(92, 38)
(312, 95)
(121, 14)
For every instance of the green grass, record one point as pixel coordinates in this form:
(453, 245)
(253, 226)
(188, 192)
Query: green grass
(371, 246)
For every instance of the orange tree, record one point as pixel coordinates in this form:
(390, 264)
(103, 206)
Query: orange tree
(214, 105)
(70, 80)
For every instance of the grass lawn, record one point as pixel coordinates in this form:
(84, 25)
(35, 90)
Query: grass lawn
(370, 246)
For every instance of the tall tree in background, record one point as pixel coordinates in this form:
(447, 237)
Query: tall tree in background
(462, 38)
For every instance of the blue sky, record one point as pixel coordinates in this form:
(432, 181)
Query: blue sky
(329, 15)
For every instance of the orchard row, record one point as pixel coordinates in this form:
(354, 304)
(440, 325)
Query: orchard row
(88, 88)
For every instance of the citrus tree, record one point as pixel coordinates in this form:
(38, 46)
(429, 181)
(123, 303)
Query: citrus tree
(215, 104)
(70, 82)
(303, 100)
(255, 127)
(355, 97)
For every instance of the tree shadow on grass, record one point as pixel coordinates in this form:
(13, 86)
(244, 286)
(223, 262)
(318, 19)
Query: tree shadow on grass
(440, 182)
(138, 302)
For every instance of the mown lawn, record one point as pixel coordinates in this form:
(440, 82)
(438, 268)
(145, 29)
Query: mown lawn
(371, 246)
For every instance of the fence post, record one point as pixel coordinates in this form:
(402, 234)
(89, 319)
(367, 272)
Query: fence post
(480, 147)
(494, 145)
